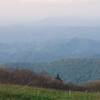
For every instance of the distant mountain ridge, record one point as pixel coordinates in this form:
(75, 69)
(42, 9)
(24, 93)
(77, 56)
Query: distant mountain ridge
(53, 50)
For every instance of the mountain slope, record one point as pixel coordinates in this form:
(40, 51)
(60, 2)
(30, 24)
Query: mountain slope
(70, 70)
(53, 50)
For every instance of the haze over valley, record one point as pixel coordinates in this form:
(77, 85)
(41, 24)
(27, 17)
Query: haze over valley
(52, 36)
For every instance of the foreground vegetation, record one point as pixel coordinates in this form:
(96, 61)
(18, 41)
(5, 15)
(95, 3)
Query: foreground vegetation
(35, 86)
(14, 92)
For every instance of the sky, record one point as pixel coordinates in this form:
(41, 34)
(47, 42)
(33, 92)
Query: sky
(17, 11)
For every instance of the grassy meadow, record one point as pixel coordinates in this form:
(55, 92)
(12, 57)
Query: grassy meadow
(14, 92)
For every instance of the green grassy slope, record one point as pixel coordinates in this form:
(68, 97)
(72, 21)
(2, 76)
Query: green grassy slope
(8, 92)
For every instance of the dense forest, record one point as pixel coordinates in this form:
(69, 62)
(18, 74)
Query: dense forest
(71, 70)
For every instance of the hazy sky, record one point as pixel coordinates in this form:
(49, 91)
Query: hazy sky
(23, 11)
(14, 11)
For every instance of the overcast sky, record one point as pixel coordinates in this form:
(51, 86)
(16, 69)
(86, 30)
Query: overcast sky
(26, 11)
(15, 11)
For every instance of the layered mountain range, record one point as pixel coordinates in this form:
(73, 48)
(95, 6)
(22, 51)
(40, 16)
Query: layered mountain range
(52, 50)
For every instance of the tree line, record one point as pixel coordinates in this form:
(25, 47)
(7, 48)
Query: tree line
(30, 78)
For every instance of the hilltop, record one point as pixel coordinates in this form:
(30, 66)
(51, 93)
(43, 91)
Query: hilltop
(16, 92)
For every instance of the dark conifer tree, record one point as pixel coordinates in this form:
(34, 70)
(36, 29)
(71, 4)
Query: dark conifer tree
(58, 77)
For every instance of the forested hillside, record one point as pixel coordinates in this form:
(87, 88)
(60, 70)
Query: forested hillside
(70, 70)
(49, 50)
